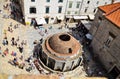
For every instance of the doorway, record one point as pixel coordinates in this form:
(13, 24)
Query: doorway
(33, 22)
(47, 20)
(114, 72)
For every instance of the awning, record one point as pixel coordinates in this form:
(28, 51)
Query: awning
(91, 17)
(86, 24)
(68, 16)
(60, 17)
(80, 17)
(40, 21)
(89, 36)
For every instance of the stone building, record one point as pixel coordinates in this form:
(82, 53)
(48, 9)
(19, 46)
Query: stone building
(56, 11)
(60, 52)
(106, 38)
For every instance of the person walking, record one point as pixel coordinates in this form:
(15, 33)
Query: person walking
(20, 49)
(6, 42)
(13, 41)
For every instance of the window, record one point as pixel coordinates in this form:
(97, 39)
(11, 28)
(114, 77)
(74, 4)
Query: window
(111, 37)
(85, 10)
(94, 10)
(47, 0)
(68, 12)
(32, 10)
(70, 4)
(60, 0)
(76, 12)
(105, 3)
(59, 9)
(32, 0)
(78, 4)
(99, 19)
(52, 18)
(69, 50)
(88, 2)
(47, 9)
(97, 2)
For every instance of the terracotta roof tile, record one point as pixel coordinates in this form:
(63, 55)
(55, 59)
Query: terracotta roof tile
(112, 12)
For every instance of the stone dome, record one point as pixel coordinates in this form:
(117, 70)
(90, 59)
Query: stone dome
(63, 43)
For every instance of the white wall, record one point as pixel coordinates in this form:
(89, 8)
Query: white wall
(73, 9)
(93, 4)
(40, 9)
(53, 4)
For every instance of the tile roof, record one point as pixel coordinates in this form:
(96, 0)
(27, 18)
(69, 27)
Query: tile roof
(112, 12)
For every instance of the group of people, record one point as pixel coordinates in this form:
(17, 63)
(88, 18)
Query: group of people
(15, 62)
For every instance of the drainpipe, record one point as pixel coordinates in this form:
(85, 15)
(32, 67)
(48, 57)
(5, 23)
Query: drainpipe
(66, 7)
(81, 7)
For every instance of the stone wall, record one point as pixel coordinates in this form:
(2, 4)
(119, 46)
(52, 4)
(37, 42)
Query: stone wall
(108, 55)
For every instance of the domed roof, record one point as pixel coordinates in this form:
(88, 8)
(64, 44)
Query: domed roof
(63, 43)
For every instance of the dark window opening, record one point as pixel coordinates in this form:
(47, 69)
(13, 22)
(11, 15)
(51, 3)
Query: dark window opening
(110, 38)
(52, 18)
(32, 0)
(32, 10)
(47, 10)
(112, 35)
(59, 9)
(70, 50)
(60, 1)
(99, 18)
(85, 10)
(64, 37)
(97, 2)
(88, 2)
(94, 10)
(48, 1)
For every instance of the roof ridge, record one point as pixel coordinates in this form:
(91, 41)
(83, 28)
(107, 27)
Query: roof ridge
(113, 10)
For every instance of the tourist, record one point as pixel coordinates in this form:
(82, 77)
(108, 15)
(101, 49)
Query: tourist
(21, 65)
(6, 51)
(25, 42)
(4, 42)
(35, 42)
(15, 27)
(45, 30)
(13, 41)
(9, 29)
(21, 49)
(41, 40)
(29, 59)
(21, 57)
(22, 43)
(15, 61)
(13, 53)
